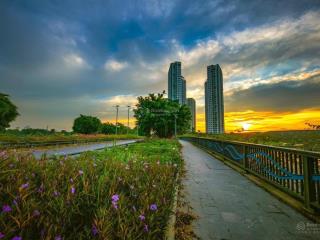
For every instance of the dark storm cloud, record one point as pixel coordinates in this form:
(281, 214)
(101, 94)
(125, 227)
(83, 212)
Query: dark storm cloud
(286, 96)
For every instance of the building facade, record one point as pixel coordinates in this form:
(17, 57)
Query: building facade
(192, 106)
(214, 105)
(176, 83)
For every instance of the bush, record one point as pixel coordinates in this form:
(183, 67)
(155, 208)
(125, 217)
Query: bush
(86, 124)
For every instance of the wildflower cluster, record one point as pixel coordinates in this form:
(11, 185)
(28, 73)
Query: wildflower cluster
(117, 193)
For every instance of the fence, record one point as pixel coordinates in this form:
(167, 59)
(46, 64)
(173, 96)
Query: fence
(295, 172)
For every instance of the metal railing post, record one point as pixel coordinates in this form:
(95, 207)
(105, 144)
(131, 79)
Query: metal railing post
(245, 159)
(309, 191)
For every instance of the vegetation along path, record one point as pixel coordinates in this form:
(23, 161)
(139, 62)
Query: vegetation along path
(230, 206)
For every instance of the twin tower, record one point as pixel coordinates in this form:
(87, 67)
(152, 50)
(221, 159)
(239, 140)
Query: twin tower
(214, 107)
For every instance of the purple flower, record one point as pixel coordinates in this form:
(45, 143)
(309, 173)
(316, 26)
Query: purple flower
(17, 238)
(115, 198)
(94, 230)
(80, 172)
(15, 202)
(58, 237)
(73, 190)
(36, 213)
(1, 235)
(56, 193)
(41, 188)
(153, 207)
(146, 229)
(25, 185)
(6, 208)
(142, 217)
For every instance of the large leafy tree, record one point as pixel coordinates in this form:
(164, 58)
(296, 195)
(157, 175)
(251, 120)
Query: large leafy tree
(157, 115)
(8, 111)
(86, 124)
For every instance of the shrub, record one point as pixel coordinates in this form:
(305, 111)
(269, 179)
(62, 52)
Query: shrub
(86, 124)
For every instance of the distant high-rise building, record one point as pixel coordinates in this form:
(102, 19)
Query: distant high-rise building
(214, 100)
(176, 83)
(192, 106)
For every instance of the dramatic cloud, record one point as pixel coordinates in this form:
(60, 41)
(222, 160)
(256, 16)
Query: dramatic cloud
(283, 96)
(62, 58)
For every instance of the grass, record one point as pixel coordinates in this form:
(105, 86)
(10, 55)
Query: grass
(118, 193)
(58, 137)
(306, 140)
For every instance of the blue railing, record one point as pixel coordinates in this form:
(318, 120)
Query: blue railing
(294, 171)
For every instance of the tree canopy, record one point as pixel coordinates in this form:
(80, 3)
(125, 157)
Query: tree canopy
(156, 115)
(86, 124)
(8, 111)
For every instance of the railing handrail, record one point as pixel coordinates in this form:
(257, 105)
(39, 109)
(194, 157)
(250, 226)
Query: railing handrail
(293, 171)
(295, 150)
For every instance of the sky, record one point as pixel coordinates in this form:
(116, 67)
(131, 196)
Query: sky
(62, 58)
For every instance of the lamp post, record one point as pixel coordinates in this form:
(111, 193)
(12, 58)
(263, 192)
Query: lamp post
(128, 119)
(117, 108)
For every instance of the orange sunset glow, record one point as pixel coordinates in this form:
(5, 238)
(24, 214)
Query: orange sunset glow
(265, 121)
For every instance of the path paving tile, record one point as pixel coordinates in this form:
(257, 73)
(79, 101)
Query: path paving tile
(230, 206)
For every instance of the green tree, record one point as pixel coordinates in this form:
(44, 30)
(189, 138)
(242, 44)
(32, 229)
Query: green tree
(8, 111)
(86, 124)
(157, 115)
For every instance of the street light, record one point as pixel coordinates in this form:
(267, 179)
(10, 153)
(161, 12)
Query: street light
(128, 119)
(117, 108)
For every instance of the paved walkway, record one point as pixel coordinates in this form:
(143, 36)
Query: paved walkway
(77, 149)
(230, 206)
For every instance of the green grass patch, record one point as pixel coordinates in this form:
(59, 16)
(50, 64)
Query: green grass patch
(117, 193)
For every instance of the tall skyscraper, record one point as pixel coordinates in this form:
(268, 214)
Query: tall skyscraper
(192, 106)
(176, 83)
(214, 100)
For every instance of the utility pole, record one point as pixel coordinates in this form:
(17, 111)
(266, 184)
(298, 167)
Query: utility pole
(128, 119)
(117, 108)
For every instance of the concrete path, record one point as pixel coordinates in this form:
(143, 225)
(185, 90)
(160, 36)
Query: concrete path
(77, 149)
(230, 206)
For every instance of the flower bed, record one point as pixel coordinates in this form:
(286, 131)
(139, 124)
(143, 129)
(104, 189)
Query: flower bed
(119, 193)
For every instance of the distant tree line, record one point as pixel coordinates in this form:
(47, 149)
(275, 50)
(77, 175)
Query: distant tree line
(313, 126)
(89, 124)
